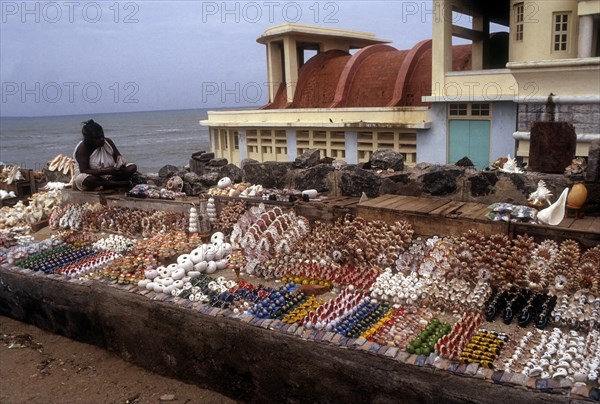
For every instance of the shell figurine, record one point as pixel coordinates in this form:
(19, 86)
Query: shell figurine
(541, 196)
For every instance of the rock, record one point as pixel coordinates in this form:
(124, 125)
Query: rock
(483, 183)
(384, 159)
(309, 158)
(248, 161)
(167, 171)
(192, 178)
(210, 179)
(316, 177)
(593, 165)
(220, 162)
(338, 164)
(440, 181)
(552, 146)
(206, 157)
(464, 162)
(269, 174)
(193, 189)
(399, 183)
(232, 171)
(326, 160)
(167, 397)
(354, 181)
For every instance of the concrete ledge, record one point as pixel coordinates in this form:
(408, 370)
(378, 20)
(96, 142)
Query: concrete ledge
(261, 363)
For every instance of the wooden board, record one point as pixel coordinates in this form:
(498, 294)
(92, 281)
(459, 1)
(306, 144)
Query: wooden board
(447, 209)
(378, 200)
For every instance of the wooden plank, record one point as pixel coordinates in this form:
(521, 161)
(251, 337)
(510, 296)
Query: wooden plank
(449, 208)
(581, 225)
(432, 205)
(399, 202)
(393, 201)
(566, 222)
(414, 205)
(595, 227)
(349, 202)
(467, 209)
(378, 200)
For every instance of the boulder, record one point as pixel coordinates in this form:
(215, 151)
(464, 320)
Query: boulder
(313, 178)
(248, 161)
(191, 177)
(483, 183)
(309, 158)
(464, 162)
(269, 174)
(167, 171)
(339, 164)
(210, 179)
(219, 162)
(440, 180)
(193, 189)
(232, 171)
(353, 181)
(385, 159)
(399, 183)
(592, 173)
(326, 160)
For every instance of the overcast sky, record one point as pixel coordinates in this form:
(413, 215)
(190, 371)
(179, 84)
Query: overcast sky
(74, 57)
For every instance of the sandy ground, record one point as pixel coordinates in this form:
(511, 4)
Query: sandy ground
(40, 367)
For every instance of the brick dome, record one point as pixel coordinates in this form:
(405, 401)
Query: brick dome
(375, 76)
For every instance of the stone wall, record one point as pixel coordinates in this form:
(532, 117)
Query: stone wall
(584, 117)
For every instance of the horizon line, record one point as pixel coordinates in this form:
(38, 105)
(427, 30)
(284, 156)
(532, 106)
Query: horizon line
(122, 112)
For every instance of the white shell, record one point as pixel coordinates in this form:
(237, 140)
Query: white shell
(212, 267)
(142, 284)
(197, 255)
(221, 264)
(217, 236)
(193, 274)
(554, 213)
(201, 266)
(151, 273)
(224, 182)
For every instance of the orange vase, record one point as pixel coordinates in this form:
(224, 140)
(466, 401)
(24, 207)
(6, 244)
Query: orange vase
(577, 196)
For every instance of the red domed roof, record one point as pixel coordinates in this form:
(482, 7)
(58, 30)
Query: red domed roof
(376, 76)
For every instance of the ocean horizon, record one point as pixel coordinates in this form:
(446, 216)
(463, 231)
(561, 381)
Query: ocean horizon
(150, 139)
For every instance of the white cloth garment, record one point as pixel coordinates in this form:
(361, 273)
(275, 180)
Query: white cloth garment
(100, 158)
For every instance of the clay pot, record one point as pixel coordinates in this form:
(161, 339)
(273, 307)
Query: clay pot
(577, 196)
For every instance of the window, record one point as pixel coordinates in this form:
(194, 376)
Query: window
(560, 33)
(481, 109)
(519, 20)
(236, 141)
(458, 109)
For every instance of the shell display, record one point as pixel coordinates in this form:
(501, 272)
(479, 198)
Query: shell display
(540, 196)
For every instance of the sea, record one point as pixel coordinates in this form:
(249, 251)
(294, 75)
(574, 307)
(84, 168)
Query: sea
(150, 139)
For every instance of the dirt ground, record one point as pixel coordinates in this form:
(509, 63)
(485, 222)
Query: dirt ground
(40, 367)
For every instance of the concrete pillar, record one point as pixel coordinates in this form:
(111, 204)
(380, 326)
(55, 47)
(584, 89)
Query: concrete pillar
(291, 66)
(586, 36)
(292, 152)
(243, 145)
(479, 23)
(442, 44)
(213, 139)
(274, 68)
(351, 147)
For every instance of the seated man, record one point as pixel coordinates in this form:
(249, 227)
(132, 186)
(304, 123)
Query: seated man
(98, 163)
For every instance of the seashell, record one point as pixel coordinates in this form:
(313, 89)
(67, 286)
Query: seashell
(201, 266)
(179, 273)
(217, 236)
(193, 274)
(535, 371)
(212, 267)
(158, 288)
(221, 264)
(224, 183)
(150, 286)
(555, 213)
(142, 284)
(151, 273)
(197, 255)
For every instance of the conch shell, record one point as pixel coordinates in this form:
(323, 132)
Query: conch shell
(510, 166)
(554, 213)
(541, 195)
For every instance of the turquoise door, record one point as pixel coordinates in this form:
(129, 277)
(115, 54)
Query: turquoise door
(471, 139)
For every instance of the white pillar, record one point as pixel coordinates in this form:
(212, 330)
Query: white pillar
(351, 147)
(586, 36)
(242, 144)
(213, 140)
(292, 151)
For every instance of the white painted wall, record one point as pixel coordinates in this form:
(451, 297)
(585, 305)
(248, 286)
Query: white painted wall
(431, 143)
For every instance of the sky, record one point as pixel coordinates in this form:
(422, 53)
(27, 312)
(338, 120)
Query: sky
(76, 57)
